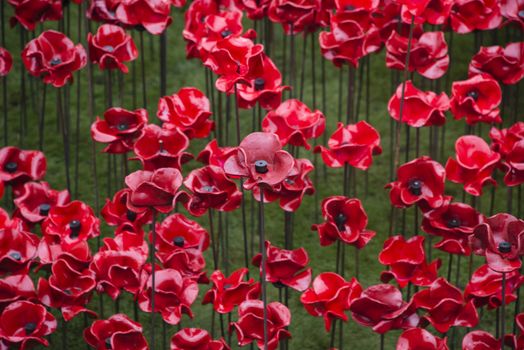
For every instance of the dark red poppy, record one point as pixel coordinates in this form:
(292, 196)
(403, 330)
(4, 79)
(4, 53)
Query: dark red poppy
(189, 262)
(474, 164)
(381, 307)
(16, 287)
(255, 10)
(54, 57)
(454, 223)
(162, 148)
(250, 324)
(297, 16)
(330, 296)
(420, 181)
(506, 64)
(415, 7)
(446, 306)
(71, 222)
(67, 289)
(126, 241)
(119, 128)
(213, 154)
(36, 200)
(389, 18)
(469, 15)
(30, 12)
(420, 108)
(6, 62)
(118, 332)
(177, 231)
(501, 240)
(174, 295)
(418, 339)
(17, 247)
(196, 338)
(476, 99)
(406, 260)
(152, 15)
(479, 340)
(24, 324)
(345, 220)
(188, 110)
(110, 47)
(512, 11)
(153, 189)
(294, 123)
(436, 12)
(103, 11)
(76, 252)
(19, 166)
(509, 143)
(354, 144)
(229, 292)
(116, 213)
(211, 189)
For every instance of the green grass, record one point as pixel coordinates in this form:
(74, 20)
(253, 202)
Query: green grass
(308, 332)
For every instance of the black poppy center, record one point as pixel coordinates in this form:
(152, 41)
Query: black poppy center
(30, 327)
(108, 343)
(289, 181)
(109, 48)
(44, 208)
(349, 8)
(131, 215)
(504, 247)
(178, 241)
(415, 187)
(226, 33)
(227, 286)
(75, 226)
(55, 61)
(122, 126)
(474, 94)
(207, 188)
(259, 84)
(521, 13)
(453, 223)
(261, 167)
(16, 256)
(340, 220)
(11, 167)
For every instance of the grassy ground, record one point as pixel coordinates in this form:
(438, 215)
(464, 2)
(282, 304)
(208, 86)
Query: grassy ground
(308, 332)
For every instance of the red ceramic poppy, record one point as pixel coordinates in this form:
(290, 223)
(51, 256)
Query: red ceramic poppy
(406, 260)
(211, 189)
(436, 12)
(71, 222)
(67, 289)
(474, 164)
(116, 213)
(177, 231)
(479, 340)
(418, 339)
(446, 307)
(255, 10)
(485, 287)
(389, 18)
(345, 220)
(110, 47)
(54, 57)
(506, 64)
(124, 241)
(30, 12)
(19, 166)
(512, 11)
(174, 295)
(297, 16)
(17, 247)
(162, 148)
(294, 123)
(428, 54)
(152, 15)
(76, 253)
(348, 5)
(118, 332)
(24, 324)
(420, 108)
(213, 154)
(285, 267)
(196, 338)
(189, 262)
(16, 287)
(354, 144)
(420, 181)
(36, 200)
(454, 223)
(188, 110)
(229, 292)
(501, 240)
(469, 15)
(6, 62)
(250, 324)
(415, 7)
(153, 189)
(119, 128)
(476, 99)
(381, 307)
(330, 296)
(509, 143)
(103, 11)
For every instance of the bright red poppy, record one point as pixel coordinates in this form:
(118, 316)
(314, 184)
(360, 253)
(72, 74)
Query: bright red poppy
(152, 15)
(118, 332)
(19, 166)
(103, 11)
(36, 200)
(111, 47)
(76, 253)
(418, 339)
(512, 11)
(6, 62)
(436, 12)
(196, 338)
(509, 143)
(469, 15)
(116, 213)
(16, 287)
(17, 247)
(479, 340)
(297, 16)
(506, 64)
(31, 12)
(213, 154)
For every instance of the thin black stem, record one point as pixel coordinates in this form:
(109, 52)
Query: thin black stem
(42, 119)
(143, 70)
(152, 250)
(163, 63)
(65, 136)
(503, 311)
(263, 262)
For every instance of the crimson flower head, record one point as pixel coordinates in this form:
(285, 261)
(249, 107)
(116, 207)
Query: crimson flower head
(153, 189)
(116, 213)
(420, 108)
(118, 332)
(501, 240)
(54, 57)
(473, 165)
(261, 160)
(36, 200)
(119, 128)
(213, 154)
(174, 295)
(381, 307)
(436, 12)
(297, 16)
(25, 324)
(152, 15)
(505, 64)
(229, 292)
(103, 11)
(196, 338)
(188, 110)
(446, 306)
(19, 166)
(512, 11)
(211, 189)
(330, 296)
(250, 324)
(354, 144)
(418, 339)
(110, 47)
(469, 15)
(345, 220)
(17, 247)
(476, 340)
(30, 12)
(509, 143)
(407, 262)
(454, 223)
(16, 287)
(6, 62)
(420, 181)
(476, 99)
(415, 7)
(294, 123)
